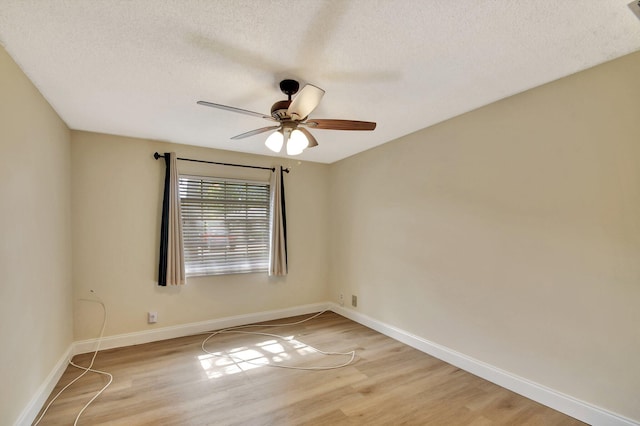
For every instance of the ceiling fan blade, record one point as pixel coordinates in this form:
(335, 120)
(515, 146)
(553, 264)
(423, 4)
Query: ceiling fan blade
(255, 132)
(305, 102)
(312, 141)
(329, 124)
(234, 109)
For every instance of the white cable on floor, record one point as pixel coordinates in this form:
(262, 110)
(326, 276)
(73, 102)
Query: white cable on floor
(236, 330)
(86, 369)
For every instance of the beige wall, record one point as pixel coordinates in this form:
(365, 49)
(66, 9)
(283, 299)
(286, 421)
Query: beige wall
(35, 240)
(510, 234)
(117, 195)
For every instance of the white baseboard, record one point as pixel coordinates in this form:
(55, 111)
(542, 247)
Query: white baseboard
(34, 406)
(566, 404)
(172, 332)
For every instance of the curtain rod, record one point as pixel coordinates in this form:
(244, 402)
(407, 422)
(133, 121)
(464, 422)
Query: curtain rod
(273, 169)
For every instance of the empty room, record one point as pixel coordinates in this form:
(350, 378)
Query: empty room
(319, 212)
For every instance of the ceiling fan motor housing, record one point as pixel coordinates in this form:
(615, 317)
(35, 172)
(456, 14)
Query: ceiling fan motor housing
(279, 110)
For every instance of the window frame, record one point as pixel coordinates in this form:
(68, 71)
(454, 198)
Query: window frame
(240, 244)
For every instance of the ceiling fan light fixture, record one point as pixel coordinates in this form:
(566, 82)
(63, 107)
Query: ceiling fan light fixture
(297, 143)
(275, 141)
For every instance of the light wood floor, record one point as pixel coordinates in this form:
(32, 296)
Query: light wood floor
(174, 382)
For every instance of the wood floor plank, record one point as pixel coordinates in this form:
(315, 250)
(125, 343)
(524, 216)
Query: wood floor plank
(174, 382)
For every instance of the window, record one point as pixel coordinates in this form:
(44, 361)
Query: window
(225, 225)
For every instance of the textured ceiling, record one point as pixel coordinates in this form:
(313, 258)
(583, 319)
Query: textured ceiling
(137, 68)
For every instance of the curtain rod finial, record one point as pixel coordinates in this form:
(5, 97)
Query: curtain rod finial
(156, 155)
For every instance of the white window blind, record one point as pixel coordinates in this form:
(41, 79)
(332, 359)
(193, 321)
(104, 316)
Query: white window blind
(225, 225)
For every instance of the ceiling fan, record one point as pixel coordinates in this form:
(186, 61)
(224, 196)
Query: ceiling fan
(292, 117)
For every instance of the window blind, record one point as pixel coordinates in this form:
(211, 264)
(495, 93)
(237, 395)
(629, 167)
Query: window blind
(225, 225)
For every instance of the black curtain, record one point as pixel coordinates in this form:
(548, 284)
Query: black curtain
(164, 224)
(284, 217)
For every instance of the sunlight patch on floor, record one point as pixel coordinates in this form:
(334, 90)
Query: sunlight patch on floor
(244, 358)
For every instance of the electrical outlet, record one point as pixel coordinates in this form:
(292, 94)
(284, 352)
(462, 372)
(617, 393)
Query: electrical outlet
(341, 299)
(354, 300)
(152, 317)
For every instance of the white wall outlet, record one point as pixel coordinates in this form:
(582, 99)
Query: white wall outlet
(354, 300)
(341, 299)
(152, 317)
